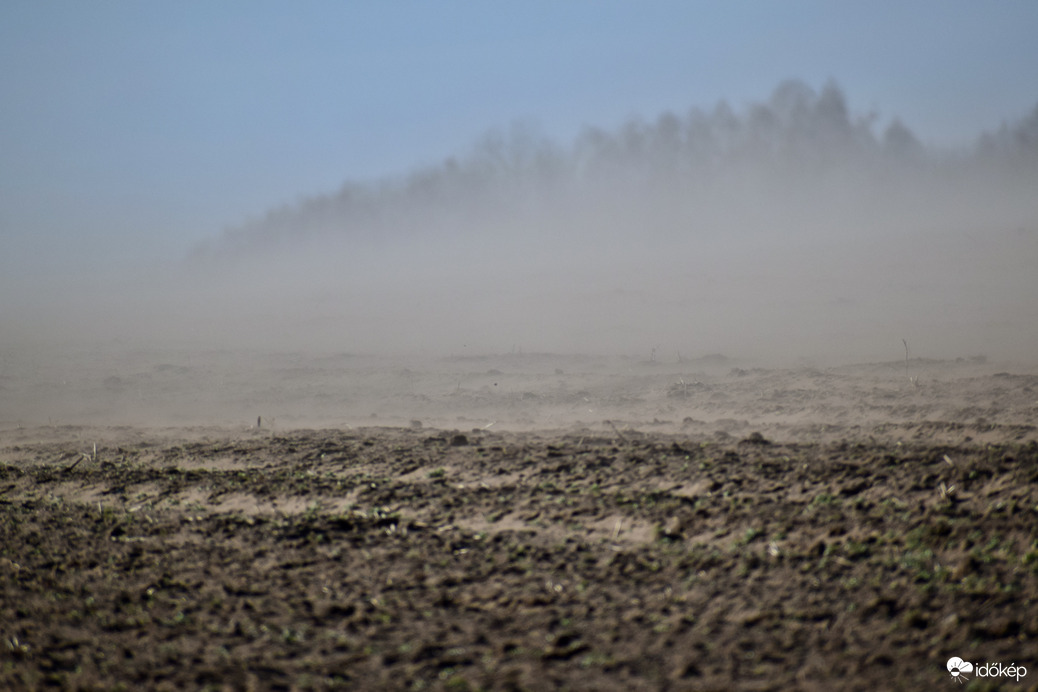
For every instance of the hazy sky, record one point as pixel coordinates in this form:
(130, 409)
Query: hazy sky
(132, 130)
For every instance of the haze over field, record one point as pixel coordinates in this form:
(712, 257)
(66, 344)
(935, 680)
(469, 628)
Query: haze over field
(795, 222)
(793, 227)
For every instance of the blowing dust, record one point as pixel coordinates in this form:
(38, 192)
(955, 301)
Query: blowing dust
(793, 230)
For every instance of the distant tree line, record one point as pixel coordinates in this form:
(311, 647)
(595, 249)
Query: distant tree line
(798, 136)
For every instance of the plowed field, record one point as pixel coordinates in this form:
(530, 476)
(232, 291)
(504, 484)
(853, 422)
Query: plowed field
(820, 551)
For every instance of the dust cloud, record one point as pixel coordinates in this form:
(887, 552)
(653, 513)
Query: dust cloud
(792, 229)
(789, 230)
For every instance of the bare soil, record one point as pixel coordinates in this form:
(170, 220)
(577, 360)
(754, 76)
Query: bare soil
(520, 523)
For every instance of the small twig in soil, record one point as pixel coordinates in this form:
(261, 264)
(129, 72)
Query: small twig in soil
(617, 431)
(82, 456)
(905, 342)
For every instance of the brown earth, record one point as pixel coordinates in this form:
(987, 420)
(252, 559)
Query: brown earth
(517, 522)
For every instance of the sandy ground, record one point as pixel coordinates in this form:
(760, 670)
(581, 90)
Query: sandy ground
(232, 389)
(176, 520)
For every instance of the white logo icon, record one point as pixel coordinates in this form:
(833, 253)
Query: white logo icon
(958, 668)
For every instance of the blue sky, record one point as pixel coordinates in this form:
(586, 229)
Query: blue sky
(130, 131)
